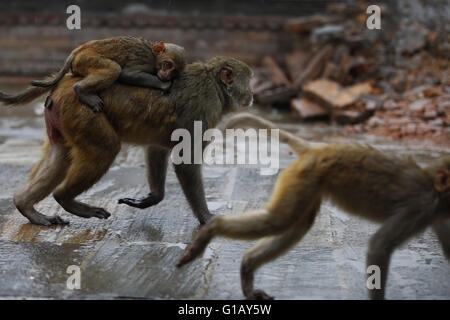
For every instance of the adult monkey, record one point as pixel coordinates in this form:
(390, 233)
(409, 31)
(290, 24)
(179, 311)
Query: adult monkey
(379, 186)
(82, 145)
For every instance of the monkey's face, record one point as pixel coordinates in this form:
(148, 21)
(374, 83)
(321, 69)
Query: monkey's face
(171, 62)
(235, 78)
(167, 70)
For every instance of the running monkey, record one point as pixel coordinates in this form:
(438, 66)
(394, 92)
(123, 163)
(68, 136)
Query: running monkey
(366, 182)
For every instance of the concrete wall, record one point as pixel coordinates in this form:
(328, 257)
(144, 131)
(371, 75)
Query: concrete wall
(36, 44)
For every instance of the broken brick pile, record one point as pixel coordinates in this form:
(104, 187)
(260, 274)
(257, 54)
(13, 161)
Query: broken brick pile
(392, 82)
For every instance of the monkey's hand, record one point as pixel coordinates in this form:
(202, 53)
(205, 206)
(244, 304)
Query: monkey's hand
(142, 203)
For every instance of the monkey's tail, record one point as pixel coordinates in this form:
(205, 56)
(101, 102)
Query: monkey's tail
(249, 120)
(26, 96)
(55, 79)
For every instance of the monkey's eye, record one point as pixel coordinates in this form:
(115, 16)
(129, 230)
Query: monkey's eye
(167, 65)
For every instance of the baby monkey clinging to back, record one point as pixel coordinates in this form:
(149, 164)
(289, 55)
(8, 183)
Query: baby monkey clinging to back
(360, 179)
(134, 61)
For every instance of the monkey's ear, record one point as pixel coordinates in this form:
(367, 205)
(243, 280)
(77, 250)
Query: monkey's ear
(159, 48)
(226, 75)
(442, 180)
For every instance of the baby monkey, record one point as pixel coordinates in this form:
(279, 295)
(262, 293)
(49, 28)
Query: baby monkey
(360, 179)
(134, 61)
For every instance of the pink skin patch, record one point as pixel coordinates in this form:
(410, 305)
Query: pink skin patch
(53, 123)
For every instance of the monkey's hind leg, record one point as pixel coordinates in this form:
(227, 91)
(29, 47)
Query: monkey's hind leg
(294, 197)
(46, 175)
(100, 73)
(89, 164)
(268, 249)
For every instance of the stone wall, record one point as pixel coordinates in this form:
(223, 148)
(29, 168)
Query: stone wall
(34, 40)
(36, 44)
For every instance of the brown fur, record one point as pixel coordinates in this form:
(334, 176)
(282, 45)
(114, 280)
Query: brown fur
(360, 179)
(135, 115)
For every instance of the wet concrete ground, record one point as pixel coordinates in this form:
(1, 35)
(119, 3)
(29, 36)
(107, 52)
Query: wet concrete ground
(133, 253)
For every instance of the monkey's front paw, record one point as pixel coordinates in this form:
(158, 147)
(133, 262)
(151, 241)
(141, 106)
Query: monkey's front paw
(259, 295)
(141, 203)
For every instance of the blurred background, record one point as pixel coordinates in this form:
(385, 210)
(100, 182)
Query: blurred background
(315, 61)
